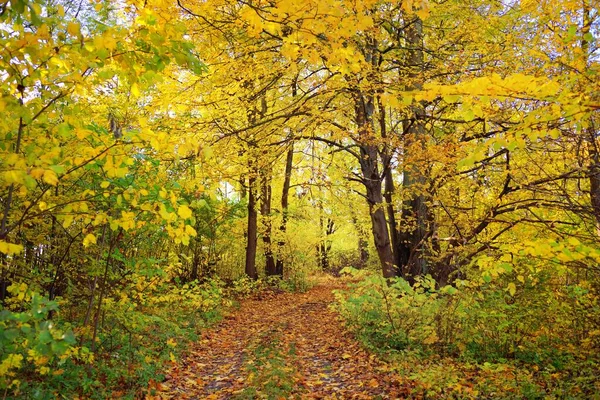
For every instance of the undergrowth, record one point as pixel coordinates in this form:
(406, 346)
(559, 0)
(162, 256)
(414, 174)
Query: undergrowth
(45, 354)
(477, 340)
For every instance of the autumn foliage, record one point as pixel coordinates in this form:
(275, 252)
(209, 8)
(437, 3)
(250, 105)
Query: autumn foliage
(160, 160)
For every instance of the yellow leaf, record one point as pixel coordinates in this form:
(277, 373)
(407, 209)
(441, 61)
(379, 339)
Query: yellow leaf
(207, 151)
(184, 212)
(100, 219)
(73, 28)
(190, 230)
(135, 90)
(9, 248)
(431, 339)
(82, 133)
(512, 289)
(89, 239)
(13, 177)
(105, 184)
(67, 221)
(50, 177)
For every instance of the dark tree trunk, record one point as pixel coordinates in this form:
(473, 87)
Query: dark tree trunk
(194, 275)
(594, 177)
(363, 246)
(380, 229)
(416, 216)
(252, 230)
(289, 161)
(372, 180)
(328, 229)
(389, 189)
(265, 210)
(254, 114)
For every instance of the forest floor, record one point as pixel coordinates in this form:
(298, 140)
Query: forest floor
(279, 346)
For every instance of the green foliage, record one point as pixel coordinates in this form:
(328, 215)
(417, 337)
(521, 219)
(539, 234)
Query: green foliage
(482, 325)
(137, 335)
(244, 287)
(34, 348)
(296, 280)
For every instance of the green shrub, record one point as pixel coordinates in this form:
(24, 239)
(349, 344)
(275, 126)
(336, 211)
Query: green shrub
(148, 324)
(33, 347)
(482, 325)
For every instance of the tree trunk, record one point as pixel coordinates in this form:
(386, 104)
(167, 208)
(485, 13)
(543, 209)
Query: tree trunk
(252, 226)
(372, 180)
(380, 230)
(363, 249)
(389, 189)
(594, 177)
(324, 246)
(265, 210)
(592, 144)
(415, 213)
(289, 161)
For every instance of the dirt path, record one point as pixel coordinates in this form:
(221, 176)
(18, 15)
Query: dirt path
(289, 345)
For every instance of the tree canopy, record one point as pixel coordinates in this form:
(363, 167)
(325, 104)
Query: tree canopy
(153, 153)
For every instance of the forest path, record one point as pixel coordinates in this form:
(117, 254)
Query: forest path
(287, 345)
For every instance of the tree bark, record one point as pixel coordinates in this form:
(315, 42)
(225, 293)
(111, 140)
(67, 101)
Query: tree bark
(372, 180)
(252, 229)
(265, 210)
(592, 144)
(416, 215)
(389, 189)
(289, 161)
(363, 250)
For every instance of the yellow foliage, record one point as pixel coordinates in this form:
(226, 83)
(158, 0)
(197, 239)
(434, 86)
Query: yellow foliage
(10, 248)
(184, 212)
(89, 239)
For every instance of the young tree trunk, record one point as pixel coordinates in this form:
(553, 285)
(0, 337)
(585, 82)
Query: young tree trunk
(265, 210)
(289, 161)
(252, 230)
(363, 246)
(389, 189)
(327, 228)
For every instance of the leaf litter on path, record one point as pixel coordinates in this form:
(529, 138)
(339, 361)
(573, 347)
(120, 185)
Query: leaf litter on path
(289, 345)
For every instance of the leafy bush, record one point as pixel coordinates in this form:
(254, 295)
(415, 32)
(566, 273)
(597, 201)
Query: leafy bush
(245, 287)
(146, 326)
(482, 324)
(33, 347)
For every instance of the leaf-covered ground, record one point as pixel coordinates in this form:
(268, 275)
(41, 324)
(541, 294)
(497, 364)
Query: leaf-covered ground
(284, 345)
